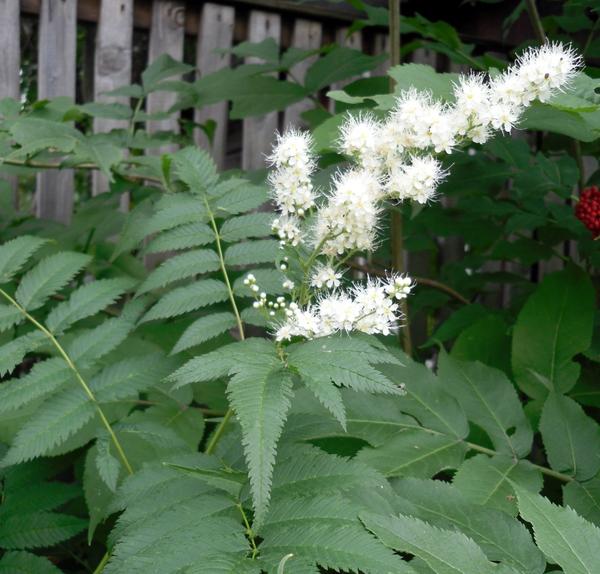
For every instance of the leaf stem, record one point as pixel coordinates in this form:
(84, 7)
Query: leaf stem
(249, 531)
(102, 563)
(216, 436)
(536, 21)
(78, 376)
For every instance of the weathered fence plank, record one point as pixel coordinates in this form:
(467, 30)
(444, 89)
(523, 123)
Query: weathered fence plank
(215, 33)
(166, 37)
(258, 132)
(10, 62)
(354, 41)
(56, 77)
(307, 35)
(112, 66)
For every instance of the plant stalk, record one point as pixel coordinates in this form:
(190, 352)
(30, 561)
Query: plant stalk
(78, 376)
(216, 436)
(536, 21)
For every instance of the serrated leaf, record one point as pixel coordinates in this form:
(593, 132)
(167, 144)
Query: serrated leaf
(490, 401)
(86, 301)
(489, 481)
(260, 395)
(246, 226)
(179, 267)
(204, 329)
(24, 562)
(243, 197)
(195, 168)
(189, 298)
(501, 537)
(13, 352)
(329, 396)
(9, 317)
(415, 453)
(15, 253)
(444, 551)
(553, 326)
(44, 378)
(253, 252)
(571, 438)
(49, 276)
(223, 479)
(107, 465)
(62, 416)
(38, 529)
(207, 367)
(584, 498)
(565, 537)
(181, 209)
(181, 237)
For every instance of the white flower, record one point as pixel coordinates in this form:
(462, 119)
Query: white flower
(349, 220)
(359, 138)
(287, 228)
(290, 182)
(287, 284)
(503, 116)
(472, 94)
(417, 181)
(399, 286)
(325, 275)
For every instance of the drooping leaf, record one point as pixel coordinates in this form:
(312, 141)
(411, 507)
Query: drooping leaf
(571, 438)
(554, 325)
(15, 253)
(565, 537)
(204, 329)
(584, 498)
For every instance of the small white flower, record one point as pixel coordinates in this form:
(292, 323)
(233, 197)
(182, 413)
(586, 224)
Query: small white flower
(287, 228)
(325, 275)
(287, 284)
(417, 181)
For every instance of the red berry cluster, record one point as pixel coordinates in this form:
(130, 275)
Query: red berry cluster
(588, 209)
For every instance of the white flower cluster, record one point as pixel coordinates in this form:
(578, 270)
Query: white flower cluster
(349, 219)
(395, 159)
(371, 308)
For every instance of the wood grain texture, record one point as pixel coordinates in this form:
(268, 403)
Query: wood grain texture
(166, 37)
(56, 77)
(259, 132)
(10, 62)
(354, 41)
(215, 33)
(306, 35)
(112, 66)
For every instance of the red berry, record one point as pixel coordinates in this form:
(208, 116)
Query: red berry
(587, 209)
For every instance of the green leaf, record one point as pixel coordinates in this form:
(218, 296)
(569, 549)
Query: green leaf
(38, 529)
(563, 536)
(86, 301)
(489, 481)
(444, 551)
(267, 50)
(44, 378)
(490, 401)
(422, 77)
(162, 68)
(253, 252)
(501, 537)
(339, 64)
(189, 264)
(571, 438)
(107, 465)
(554, 325)
(545, 117)
(243, 197)
(223, 479)
(9, 317)
(259, 95)
(195, 168)
(204, 329)
(189, 298)
(15, 253)
(414, 453)
(48, 277)
(207, 367)
(329, 396)
(62, 416)
(260, 394)
(584, 498)
(12, 353)
(181, 237)
(25, 562)
(181, 209)
(246, 226)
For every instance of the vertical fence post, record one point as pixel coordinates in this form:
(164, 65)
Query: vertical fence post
(10, 62)
(215, 32)
(354, 41)
(308, 36)
(166, 37)
(112, 66)
(258, 132)
(56, 77)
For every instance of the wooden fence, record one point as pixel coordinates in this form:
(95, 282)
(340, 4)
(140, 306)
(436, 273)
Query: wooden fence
(170, 23)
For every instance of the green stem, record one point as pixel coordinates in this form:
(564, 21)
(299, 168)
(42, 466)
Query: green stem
(214, 439)
(249, 531)
(78, 376)
(102, 563)
(588, 42)
(536, 21)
